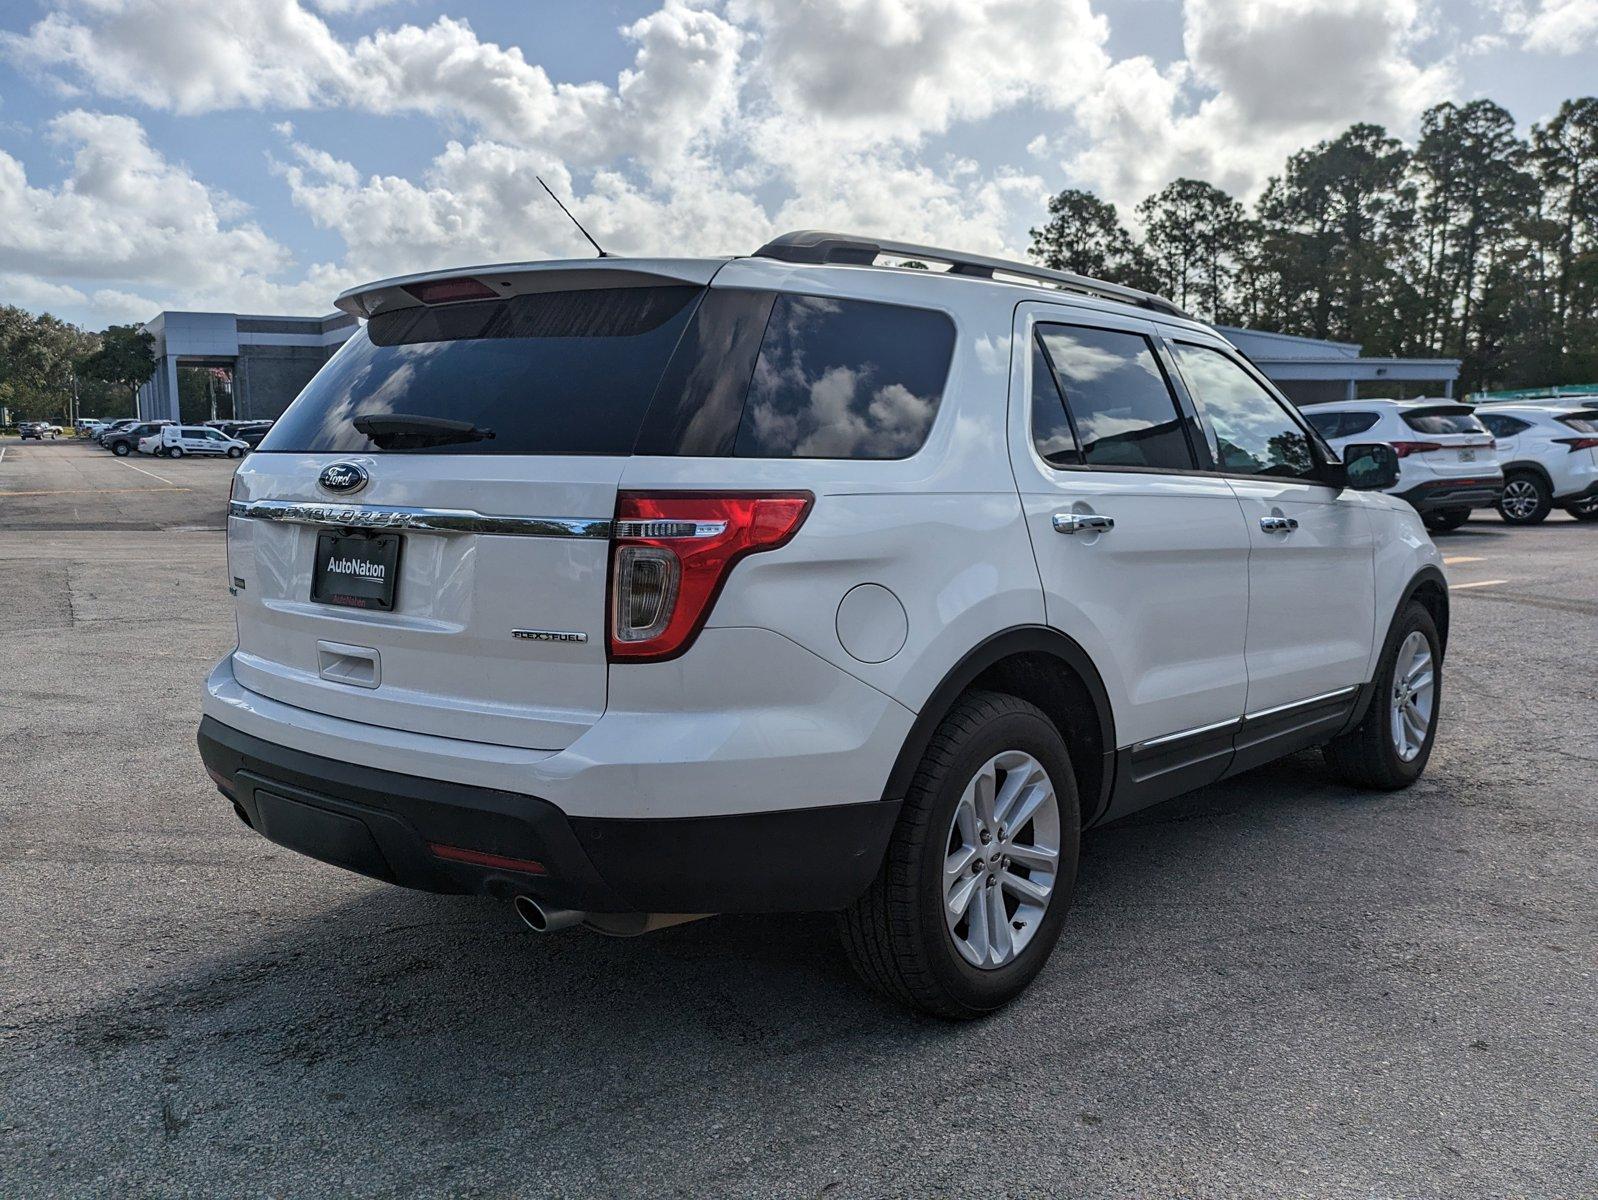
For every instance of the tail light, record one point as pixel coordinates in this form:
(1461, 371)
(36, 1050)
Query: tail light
(1405, 449)
(672, 552)
(1581, 443)
(449, 291)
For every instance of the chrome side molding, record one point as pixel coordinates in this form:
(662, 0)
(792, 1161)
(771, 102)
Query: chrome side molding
(425, 520)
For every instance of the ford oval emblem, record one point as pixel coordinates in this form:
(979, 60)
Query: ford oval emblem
(343, 477)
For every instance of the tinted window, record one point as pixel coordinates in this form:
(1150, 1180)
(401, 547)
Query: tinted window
(1341, 425)
(845, 379)
(1121, 407)
(1503, 426)
(1051, 429)
(549, 373)
(1250, 433)
(1581, 422)
(1435, 423)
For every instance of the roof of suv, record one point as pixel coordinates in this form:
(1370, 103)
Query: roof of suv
(1384, 404)
(803, 247)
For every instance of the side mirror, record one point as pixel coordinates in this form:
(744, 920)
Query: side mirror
(1370, 466)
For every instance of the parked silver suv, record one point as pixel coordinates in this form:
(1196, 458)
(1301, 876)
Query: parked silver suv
(636, 589)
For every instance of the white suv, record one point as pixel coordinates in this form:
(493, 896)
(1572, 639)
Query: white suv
(1549, 455)
(628, 589)
(174, 441)
(1446, 463)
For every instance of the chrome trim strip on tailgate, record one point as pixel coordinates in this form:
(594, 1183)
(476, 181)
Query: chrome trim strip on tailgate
(427, 520)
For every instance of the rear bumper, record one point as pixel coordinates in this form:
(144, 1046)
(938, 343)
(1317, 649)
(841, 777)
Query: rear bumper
(383, 823)
(1481, 492)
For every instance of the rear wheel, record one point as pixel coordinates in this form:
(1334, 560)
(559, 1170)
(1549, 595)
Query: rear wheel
(1446, 519)
(1388, 749)
(174, 452)
(1526, 500)
(973, 892)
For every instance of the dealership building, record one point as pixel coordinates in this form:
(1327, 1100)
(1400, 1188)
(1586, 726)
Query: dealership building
(254, 366)
(257, 365)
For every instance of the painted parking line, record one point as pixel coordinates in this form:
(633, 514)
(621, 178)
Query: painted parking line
(97, 491)
(1459, 587)
(142, 471)
(3, 450)
(1463, 558)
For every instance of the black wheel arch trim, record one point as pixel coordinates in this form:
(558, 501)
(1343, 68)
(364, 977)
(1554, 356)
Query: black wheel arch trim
(1020, 639)
(1529, 467)
(1428, 574)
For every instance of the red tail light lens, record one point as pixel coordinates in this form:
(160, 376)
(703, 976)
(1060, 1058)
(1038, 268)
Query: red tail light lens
(673, 551)
(448, 291)
(1586, 443)
(1405, 449)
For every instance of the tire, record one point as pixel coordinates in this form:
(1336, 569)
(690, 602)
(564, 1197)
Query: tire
(896, 935)
(174, 452)
(1585, 510)
(235, 452)
(1446, 519)
(1370, 756)
(120, 449)
(1527, 500)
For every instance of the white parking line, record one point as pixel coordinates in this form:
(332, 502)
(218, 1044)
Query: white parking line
(142, 471)
(1459, 587)
(1463, 558)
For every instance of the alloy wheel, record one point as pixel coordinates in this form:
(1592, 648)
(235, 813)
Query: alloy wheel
(1003, 859)
(1414, 695)
(1520, 499)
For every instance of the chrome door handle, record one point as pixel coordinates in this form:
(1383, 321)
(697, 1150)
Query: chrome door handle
(1068, 522)
(1278, 524)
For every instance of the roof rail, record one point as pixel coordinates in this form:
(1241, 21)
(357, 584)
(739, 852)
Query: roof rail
(815, 246)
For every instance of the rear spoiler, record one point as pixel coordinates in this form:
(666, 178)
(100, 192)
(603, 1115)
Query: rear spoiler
(515, 279)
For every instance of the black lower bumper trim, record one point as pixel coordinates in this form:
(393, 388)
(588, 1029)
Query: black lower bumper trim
(380, 823)
(1461, 493)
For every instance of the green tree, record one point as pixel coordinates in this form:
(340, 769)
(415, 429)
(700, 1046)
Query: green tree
(1084, 235)
(37, 356)
(1191, 233)
(125, 358)
(1565, 162)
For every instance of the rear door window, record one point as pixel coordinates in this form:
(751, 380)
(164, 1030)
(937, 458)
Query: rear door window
(1121, 407)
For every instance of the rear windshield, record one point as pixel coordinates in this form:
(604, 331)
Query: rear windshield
(1585, 422)
(1444, 423)
(548, 373)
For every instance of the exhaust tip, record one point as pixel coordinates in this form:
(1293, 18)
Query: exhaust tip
(544, 920)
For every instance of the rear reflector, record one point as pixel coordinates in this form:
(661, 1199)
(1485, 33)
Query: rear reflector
(673, 552)
(223, 783)
(446, 291)
(478, 858)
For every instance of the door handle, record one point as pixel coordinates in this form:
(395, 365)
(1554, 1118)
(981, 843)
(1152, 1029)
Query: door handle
(1069, 522)
(1278, 524)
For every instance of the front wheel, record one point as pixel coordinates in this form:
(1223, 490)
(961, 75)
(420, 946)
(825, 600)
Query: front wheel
(1446, 519)
(1526, 500)
(1584, 510)
(120, 449)
(234, 452)
(978, 876)
(1389, 748)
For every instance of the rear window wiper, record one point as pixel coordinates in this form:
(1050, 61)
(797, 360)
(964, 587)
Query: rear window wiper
(409, 431)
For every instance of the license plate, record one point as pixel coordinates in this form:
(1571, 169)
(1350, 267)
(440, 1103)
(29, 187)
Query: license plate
(1467, 456)
(355, 570)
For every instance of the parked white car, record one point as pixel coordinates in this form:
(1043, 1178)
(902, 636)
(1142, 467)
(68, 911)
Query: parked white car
(174, 441)
(1549, 455)
(1446, 462)
(624, 589)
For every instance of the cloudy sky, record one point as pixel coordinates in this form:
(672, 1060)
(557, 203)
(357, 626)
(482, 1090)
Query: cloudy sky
(260, 155)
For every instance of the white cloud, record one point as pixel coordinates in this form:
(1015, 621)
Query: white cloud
(1272, 77)
(1552, 26)
(32, 292)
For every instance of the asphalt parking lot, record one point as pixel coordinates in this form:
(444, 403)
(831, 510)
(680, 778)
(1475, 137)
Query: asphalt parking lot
(1275, 987)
